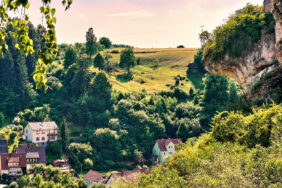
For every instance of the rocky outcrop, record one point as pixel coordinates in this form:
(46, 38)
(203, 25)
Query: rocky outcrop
(264, 58)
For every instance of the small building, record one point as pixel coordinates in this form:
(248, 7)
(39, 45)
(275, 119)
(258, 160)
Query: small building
(34, 155)
(41, 133)
(94, 177)
(12, 164)
(125, 176)
(164, 148)
(62, 165)
(3, 146)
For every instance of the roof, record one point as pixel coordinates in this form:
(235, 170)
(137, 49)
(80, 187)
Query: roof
(42, 125)
(3, 146)
(32, 155)
(15, 157)
(31, 150)
(94, 176)
(164, 142)
(128, 175)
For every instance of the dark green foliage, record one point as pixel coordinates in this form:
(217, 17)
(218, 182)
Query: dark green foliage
(106, 42)
(91, 43)
(81, 79)
(99, 61)
(53, 152)
(64, 135)
(70, 57)
(2, 118)
(127, 59)
(242, 30)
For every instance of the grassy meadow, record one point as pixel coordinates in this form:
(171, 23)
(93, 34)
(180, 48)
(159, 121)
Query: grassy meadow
(156, 70)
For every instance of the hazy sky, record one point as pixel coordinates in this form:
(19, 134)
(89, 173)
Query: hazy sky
(141, 23)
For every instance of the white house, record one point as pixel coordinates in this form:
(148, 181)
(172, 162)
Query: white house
(164, 148)
(41, 133)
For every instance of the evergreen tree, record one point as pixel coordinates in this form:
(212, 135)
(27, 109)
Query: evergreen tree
(99, 61)
(64, 135)
(81, 79)
(70, 57)
(91, 43)
(127, 59)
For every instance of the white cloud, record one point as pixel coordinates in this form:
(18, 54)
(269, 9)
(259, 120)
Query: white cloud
(137, 14)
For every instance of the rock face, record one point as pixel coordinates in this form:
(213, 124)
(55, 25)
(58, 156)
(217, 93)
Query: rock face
(264, 58)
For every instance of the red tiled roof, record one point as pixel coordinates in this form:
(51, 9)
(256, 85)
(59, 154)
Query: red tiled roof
(14, 158)
(164, 142)
(128, 175)
(94, 176)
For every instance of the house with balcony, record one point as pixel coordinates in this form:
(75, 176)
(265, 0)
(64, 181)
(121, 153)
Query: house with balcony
(12, 164)
(41, 133)
(164, 148)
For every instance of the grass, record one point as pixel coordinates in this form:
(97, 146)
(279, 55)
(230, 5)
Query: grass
(156, 71)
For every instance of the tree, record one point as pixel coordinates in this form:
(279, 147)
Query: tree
(91, 43)
(99, 61)
(2, 118)
(70, 57)
(106, 42)
(204, 36)
(64, 135)
(37, 181)
(21, 32)
(127, 59)
(81, 78)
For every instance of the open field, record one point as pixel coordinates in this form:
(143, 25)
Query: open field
(156, 70)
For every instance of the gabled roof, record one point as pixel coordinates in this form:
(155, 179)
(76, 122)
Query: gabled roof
(31, 151)
(128, 175)
(42, 125)
(95, 176)
(164, 142)
(12, 158)
(3, 146)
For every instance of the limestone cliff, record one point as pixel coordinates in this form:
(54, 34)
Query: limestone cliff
(264, 58)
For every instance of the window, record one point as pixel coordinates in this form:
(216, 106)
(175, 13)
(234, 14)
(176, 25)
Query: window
(37, 132)
(26, 131)
(37, 138)
(43, 138)
(43, 132)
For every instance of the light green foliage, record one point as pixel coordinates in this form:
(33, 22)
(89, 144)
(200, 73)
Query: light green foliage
(241, 151)
(21, 27)
(241, 32)
(50, 177)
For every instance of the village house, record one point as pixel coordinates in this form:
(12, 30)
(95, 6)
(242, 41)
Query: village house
(34, 155)
(62, 165)
(164, 148)
(125, 176)
(94, 177)
(25, 157)
(41, 133)
(12, 164)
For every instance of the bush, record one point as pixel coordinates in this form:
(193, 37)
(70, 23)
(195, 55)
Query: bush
(242, 30)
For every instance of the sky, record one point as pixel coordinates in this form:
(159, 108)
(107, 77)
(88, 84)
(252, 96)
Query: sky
(140, 23)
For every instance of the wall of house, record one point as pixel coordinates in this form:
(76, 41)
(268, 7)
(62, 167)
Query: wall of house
(156, 150)
(28, 133)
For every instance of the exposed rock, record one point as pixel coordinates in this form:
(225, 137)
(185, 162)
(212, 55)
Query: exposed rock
(264, 58)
